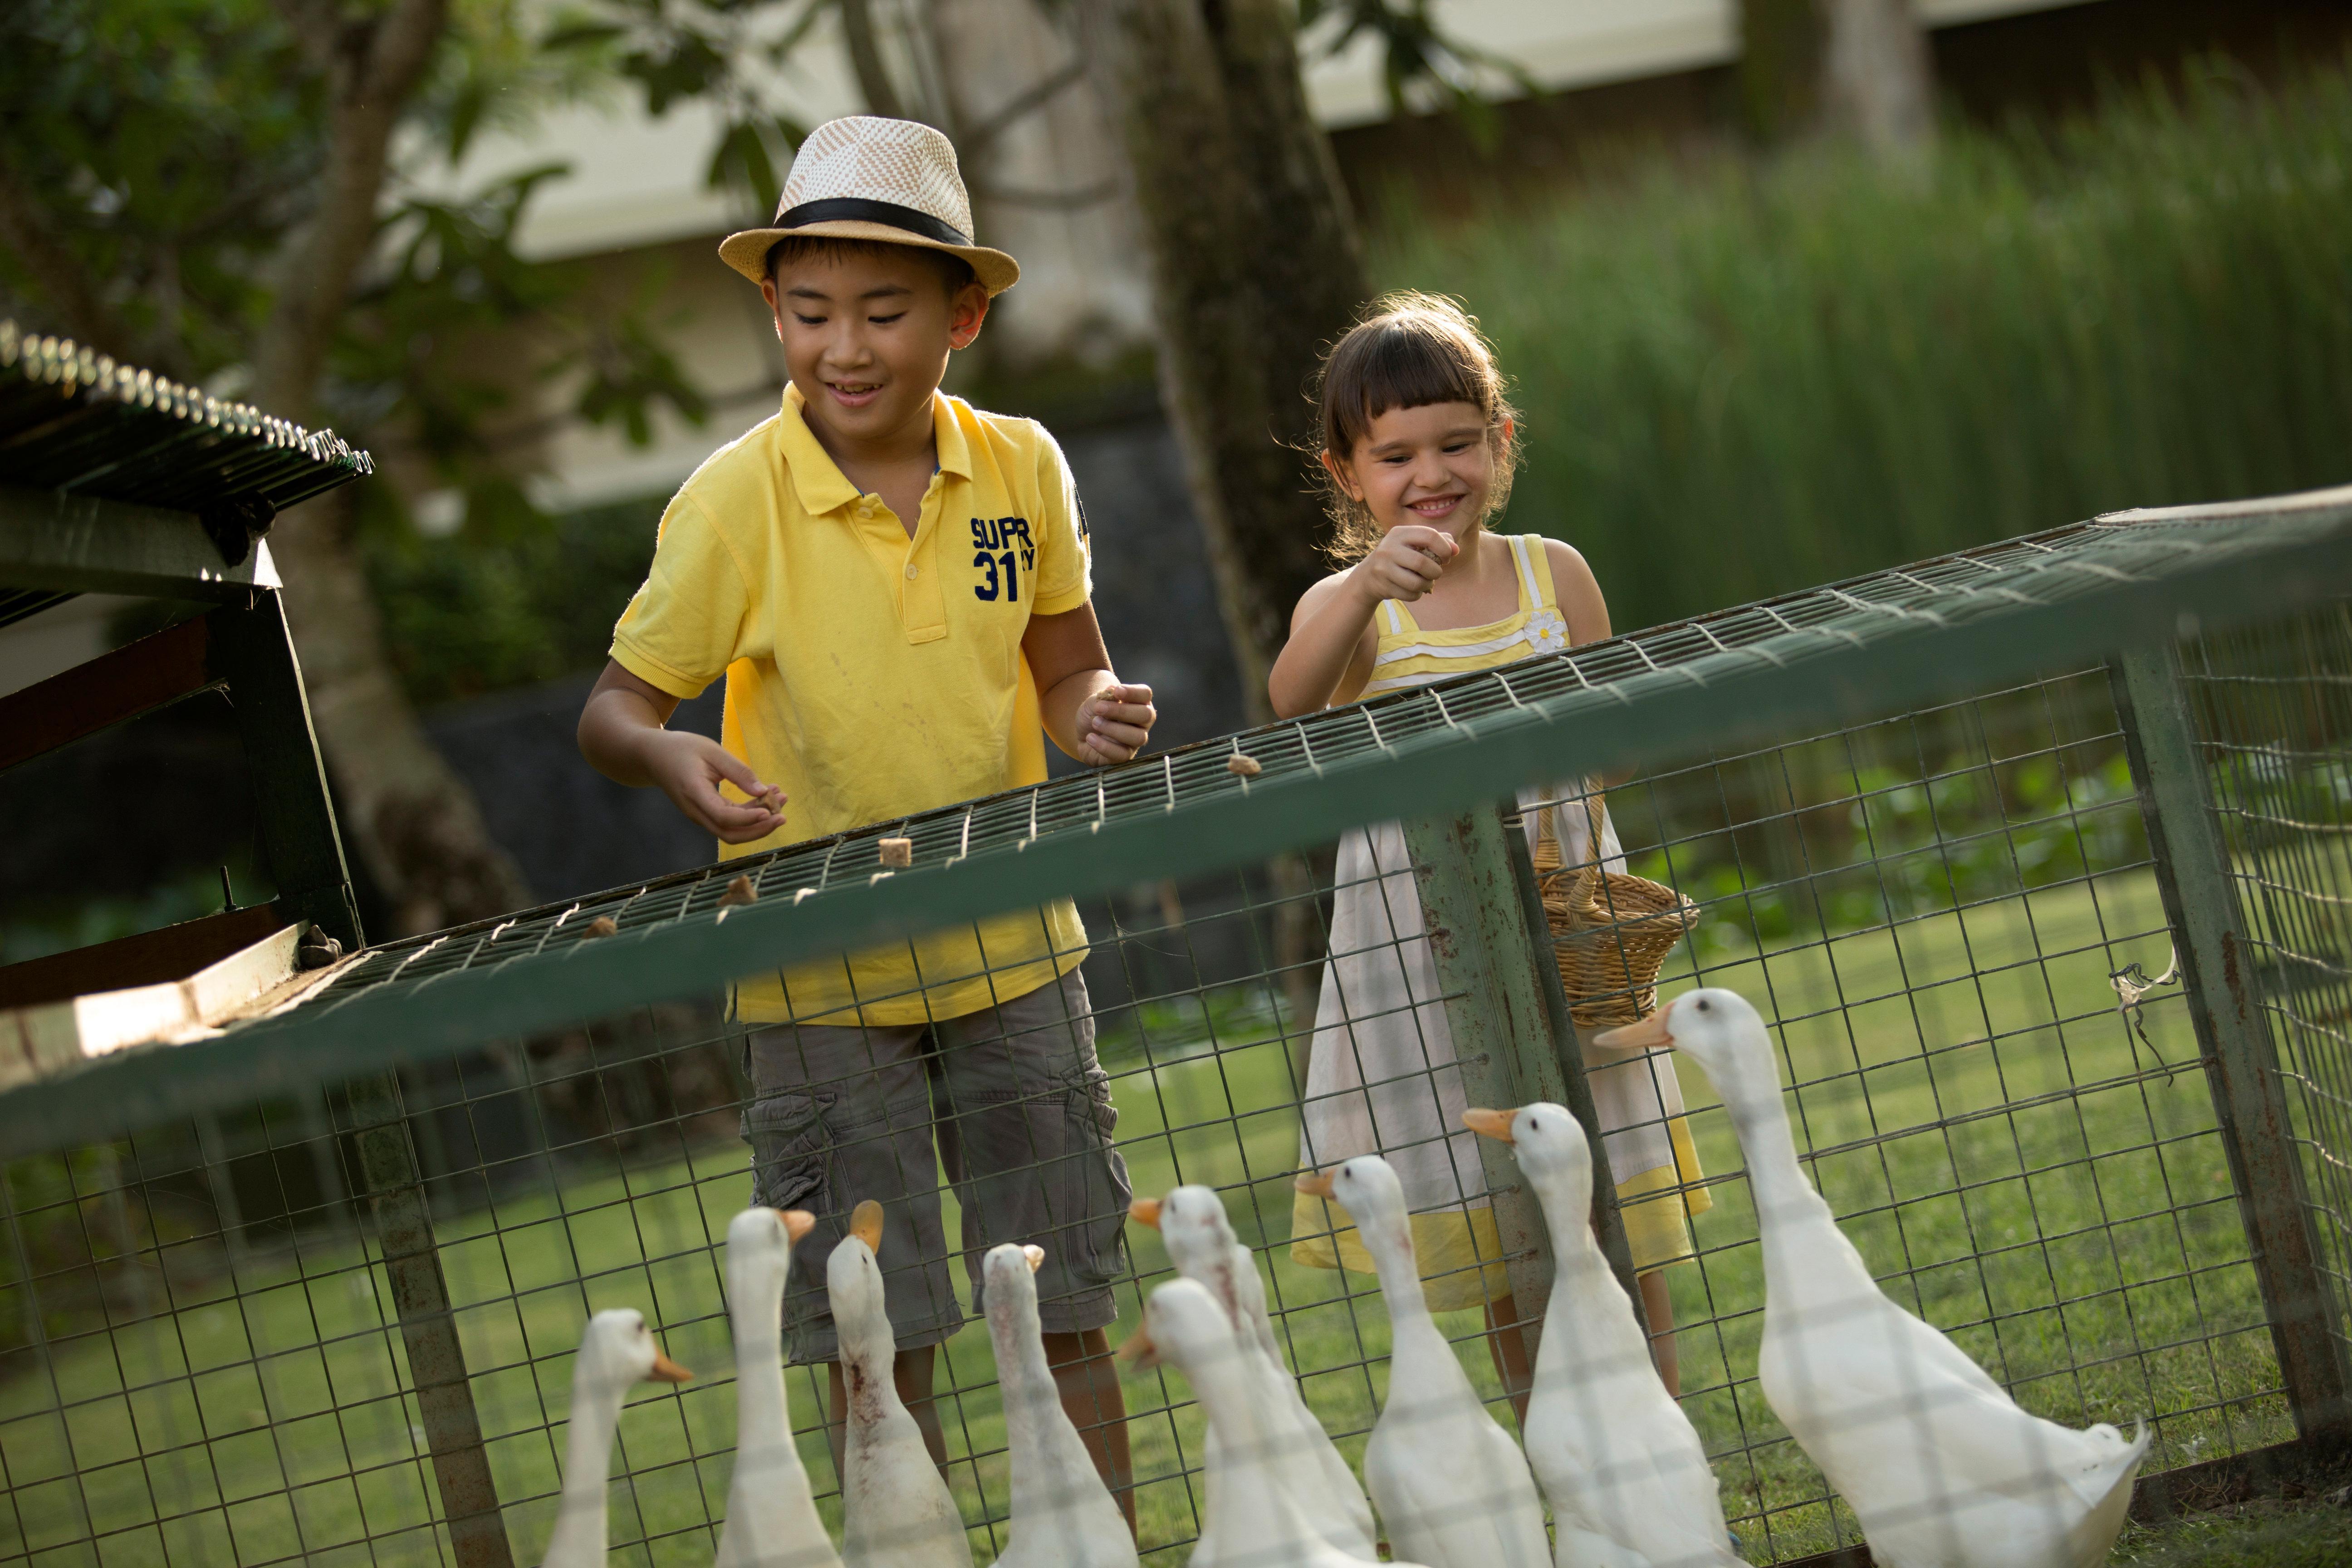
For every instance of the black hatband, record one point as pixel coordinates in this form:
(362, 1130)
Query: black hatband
(859, 209)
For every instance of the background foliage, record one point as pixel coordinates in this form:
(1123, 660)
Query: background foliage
(1750, 378)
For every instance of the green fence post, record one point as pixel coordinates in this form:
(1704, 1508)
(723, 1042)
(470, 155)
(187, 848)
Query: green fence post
(428, 1328)
(1512, 1036)
(2201, 905)
(1568, 1053)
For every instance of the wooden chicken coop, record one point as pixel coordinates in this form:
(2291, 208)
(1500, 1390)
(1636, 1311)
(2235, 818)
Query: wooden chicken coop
(2032, 857)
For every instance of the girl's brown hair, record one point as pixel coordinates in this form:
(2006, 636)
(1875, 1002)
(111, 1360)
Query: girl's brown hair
(1408, 351)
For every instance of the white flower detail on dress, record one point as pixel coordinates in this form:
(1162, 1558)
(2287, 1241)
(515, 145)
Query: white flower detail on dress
(1547, 631)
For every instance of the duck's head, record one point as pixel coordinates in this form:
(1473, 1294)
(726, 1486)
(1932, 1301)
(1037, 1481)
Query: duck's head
(1550, 1146)
(1718, 1029)
(1191, 1221)
(1365, 1186)
(760, 1252)
(1183, 1326)
(853, 1280)
(1009, 1273)
(618, 1352)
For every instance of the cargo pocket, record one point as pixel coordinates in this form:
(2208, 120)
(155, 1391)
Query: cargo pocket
(1097, 1187)
(788, 1152)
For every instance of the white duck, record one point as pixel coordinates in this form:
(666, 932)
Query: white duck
(1451, 1486)
(1201, 1242)
(1627, 1477)
(1063, 1515)
(1940, 1464)
(1250, 1519)
(616, 1353)
(772, 1520)
(896, 1511)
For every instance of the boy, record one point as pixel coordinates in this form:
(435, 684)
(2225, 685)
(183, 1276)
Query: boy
(895, 586)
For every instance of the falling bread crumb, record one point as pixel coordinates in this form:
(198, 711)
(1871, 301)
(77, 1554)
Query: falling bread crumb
(739, 892)
(897, 851)
(602, 925)
(1246, 766)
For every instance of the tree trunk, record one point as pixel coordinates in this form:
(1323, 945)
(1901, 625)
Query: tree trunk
(410, 818)
(1854, 68)
(1255, 268)
(1877, 84)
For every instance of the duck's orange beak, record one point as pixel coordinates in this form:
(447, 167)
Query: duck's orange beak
(668, 1370)
(1035, 1255)
(1650, 1033)
(1490, 1123)
(1316, 1184)
(866, 1225)
(1145, 1211)
(1138, 1351)
(798, 1223)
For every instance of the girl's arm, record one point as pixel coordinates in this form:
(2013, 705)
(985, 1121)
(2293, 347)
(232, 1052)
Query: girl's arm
(1586, 612)
(1580, 603)
(1330, 655)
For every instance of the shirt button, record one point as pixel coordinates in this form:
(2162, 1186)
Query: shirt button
(910, 569)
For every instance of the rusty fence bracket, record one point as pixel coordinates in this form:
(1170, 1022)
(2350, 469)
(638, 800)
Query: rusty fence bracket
(2208, 931)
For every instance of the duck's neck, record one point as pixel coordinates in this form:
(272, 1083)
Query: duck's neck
(764, 1426)
(1249, 1298)
(866, 1359)
(1791, 1218)
(578, 1540)
(1242, 1496)
(1039, 1439)
(1389, 1238)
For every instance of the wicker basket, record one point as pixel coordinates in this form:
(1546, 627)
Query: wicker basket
(1611, 930)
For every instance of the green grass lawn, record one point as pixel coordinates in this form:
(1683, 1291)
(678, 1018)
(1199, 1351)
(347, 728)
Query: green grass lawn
(1984, 1126)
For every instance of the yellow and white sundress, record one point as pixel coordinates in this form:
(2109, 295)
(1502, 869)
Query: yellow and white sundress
(1380, 1076)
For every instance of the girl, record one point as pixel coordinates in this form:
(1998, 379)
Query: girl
(1418, 449)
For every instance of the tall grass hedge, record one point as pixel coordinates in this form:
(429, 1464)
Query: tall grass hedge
(1746, 379)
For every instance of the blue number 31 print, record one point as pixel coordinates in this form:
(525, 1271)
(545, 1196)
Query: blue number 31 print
(1003, 576)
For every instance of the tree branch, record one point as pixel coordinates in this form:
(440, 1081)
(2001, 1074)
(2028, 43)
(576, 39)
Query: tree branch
(374, 69)
(66, 285)
(1021, 105)
(874, 82)
(1050, 201)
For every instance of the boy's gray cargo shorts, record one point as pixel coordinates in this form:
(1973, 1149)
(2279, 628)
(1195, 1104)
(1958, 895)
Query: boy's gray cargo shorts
(1018, 1112)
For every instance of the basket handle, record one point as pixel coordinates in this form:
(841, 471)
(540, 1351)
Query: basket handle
(1584, 882)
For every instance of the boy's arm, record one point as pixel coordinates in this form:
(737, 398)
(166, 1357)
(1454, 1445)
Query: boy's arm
(623, 735)
(1086, 711)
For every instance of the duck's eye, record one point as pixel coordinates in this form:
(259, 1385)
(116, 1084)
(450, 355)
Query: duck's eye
(1704, 1003)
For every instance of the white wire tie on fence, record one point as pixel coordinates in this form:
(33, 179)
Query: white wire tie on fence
(2132, 984)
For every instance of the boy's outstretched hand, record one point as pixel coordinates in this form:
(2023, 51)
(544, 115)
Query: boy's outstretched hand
(688, 768)
(621, 731)
(1115, 723)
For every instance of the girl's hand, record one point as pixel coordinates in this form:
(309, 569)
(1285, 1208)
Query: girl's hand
(1407, 563)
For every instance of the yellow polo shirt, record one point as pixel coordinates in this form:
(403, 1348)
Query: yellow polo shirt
(871, 675)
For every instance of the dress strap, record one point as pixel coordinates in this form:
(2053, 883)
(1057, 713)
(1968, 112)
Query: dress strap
(1394, 615)
(1535, 570)
(1531, 593)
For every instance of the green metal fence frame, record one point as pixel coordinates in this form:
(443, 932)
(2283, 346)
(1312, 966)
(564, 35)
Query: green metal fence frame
(2134, 583)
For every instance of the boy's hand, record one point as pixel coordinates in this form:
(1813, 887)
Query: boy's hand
(688, 768)
(1406, 563)
(1115, 723)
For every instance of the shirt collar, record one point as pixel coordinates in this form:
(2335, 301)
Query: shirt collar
(818, 481)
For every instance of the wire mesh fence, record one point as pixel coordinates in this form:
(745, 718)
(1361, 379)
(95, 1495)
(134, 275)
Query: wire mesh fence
(209, 1333)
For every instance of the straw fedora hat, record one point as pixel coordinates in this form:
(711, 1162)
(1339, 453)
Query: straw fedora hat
(864, 177)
